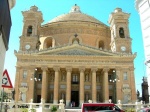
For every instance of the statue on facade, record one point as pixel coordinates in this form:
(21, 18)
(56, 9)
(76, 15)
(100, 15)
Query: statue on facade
(13, 95)
(138, 95)
(38, 45)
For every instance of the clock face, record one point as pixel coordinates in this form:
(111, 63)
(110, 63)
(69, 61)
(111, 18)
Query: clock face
(27, 46)
(123, 48)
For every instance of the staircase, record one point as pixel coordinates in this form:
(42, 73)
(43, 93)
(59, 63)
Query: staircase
(73, 109)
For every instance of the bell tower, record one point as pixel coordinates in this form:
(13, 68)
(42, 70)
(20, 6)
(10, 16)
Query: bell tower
(119, 26)
(29, 40)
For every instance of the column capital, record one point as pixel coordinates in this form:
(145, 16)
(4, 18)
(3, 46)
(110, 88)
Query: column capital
(117, 68)
(105, 69)
(56, 68)
(82, 69)
(32, 67)
(131, 68)
(69, 69)
(94, 69)
(44, 68)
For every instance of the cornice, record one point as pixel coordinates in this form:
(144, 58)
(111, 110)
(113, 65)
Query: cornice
(44, 53)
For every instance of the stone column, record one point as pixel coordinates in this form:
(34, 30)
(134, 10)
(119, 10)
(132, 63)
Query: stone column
(105, 85)
(17, 78)
(82, 69)
(31, 84)
(132, 85)
(118, 85)
(68, 86)
(44, 84)
(56, 84)
(94, 92)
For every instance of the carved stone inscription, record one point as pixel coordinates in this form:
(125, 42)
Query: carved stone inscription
(59, 31)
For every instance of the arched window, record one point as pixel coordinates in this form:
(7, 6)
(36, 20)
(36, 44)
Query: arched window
(75, 79)
(121, 33)
(48, 42)
(101, 45)
(29, 31)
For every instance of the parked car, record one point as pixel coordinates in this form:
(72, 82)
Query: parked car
(98, 107)
(144, 109)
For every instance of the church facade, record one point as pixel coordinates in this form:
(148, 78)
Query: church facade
(75, 57)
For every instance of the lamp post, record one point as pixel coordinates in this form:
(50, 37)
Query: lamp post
(34, 76)
(114, 80)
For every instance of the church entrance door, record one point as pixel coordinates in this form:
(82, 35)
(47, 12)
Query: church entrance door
(75, 98)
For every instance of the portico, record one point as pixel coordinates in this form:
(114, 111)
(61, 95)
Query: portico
(59, 82)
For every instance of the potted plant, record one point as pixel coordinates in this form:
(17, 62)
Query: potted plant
(54, 109)
(32, 110)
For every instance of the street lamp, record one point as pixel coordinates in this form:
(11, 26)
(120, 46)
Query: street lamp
(113, 80)
(34, 76)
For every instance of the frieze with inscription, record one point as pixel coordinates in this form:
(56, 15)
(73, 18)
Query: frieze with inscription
(82, 31)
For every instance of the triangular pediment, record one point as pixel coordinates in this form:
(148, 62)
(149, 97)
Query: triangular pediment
(76, 50)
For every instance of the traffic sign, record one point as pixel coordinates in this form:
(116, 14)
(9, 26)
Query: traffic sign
(6, 82)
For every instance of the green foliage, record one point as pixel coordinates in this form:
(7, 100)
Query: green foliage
(32, 110)
(24, 110)
(5, 96)
(54, 109)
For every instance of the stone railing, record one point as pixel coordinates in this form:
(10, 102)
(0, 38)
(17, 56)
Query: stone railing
(31, 107)
(132, 107)
(47, 107)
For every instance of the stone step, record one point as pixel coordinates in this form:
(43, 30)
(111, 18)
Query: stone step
(72, 110)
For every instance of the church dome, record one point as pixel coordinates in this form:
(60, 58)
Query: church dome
(75, 15)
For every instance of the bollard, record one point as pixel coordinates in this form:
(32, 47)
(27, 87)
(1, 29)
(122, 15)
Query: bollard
(119, 104)
(90, 101)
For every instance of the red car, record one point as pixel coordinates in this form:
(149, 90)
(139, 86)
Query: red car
(105, 107)
(144, 110)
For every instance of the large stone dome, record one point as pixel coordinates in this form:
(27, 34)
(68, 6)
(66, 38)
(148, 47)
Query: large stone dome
(75, 15)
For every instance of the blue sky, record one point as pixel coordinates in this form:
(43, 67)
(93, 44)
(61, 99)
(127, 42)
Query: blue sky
(99, 9)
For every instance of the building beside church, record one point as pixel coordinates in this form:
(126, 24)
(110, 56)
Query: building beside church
(75, 57)
(143, 8)
(5, 26)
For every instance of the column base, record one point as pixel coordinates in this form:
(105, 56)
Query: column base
(106, 101)
(81, 101)
(94, 101)
(68, 103)
(55, 101)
